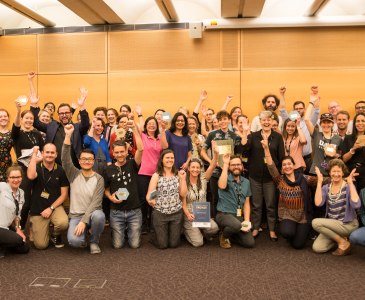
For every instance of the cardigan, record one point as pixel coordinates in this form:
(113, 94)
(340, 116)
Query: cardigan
(91, 143)
(350, 214)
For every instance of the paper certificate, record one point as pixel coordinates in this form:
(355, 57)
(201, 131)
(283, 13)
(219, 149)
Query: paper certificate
(201, 212)
(224, 146)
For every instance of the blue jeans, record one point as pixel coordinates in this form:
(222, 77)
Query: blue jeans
(358, 237)
(119, 219)
(97, 223)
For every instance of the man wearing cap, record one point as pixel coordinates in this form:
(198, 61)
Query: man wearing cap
(122, 190)
(299, 106)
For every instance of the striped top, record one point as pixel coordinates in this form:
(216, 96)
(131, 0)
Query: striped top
(337, 208)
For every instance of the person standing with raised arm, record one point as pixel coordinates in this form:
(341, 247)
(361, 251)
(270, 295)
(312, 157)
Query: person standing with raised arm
(55, 132)
(203, 96)
(207, 120)
(50, 190)
(299, 106)
(270, 103)
(86, 196)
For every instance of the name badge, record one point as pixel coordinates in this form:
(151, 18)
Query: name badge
(324, 165)
(265, 160)
(45, 195)
(239, 212)
(245, 159)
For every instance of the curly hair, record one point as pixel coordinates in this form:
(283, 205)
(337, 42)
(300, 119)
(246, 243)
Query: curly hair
(337, 163)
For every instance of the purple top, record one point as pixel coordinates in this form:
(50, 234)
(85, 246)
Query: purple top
(350, 213)
(181, 145)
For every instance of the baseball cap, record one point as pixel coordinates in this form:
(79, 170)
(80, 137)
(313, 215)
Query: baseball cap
(326, 116)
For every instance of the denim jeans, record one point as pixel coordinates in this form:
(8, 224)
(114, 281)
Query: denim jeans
(119, 219)
(97, 223)
(358, 237)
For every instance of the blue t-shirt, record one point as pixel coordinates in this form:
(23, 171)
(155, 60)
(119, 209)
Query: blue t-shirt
(228, 198)
(181, 145)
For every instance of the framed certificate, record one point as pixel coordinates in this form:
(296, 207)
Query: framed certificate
(201, 212)
(224, 146)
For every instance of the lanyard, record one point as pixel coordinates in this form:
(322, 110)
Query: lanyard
(238, 192)
(44, 177)
(16, 202)
(196, 193)
(288, 150)
(31, 137)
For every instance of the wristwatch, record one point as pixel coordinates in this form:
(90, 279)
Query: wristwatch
(139, 116)
(52, 208)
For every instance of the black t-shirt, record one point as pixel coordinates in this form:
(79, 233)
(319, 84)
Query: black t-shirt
(51, 183)
(58, 141)
(123, 177)
(358, 157)
(25, 140)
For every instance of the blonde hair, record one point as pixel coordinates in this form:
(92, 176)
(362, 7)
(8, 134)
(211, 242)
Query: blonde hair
(266, 114)
(44, 110)
(184, 108)
(196, 121)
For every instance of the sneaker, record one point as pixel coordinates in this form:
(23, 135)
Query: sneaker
(57, 240)
(208, 237)
(151, 228)
(2, 254)
(94, 248)
(84, 244)
(224, 243)
(144, 229)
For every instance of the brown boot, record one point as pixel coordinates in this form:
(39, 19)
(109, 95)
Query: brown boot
(224, 243)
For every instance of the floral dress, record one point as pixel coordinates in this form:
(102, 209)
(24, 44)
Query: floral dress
(6, 143)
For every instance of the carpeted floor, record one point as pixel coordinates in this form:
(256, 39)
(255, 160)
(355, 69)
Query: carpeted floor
(268, 271)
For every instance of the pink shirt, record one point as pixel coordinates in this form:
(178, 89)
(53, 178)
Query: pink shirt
(296, 152)
(151, 153)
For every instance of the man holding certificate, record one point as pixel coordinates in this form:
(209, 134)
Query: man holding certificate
(197, 221)
(234, 193)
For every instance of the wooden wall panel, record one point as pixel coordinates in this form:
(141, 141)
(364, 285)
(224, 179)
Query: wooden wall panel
(163, 50)
(72, 53)
(343, 86)
(172, 90)
(230, 49)
(303, 48)
(64, 89)
(18, 54)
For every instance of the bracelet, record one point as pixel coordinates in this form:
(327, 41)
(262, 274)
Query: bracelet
(311, 103)
(139, 116)
(298, 127)
(351, 151)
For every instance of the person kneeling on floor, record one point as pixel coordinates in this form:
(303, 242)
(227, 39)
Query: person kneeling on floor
(50, 189)
(87, 189)
(234, 196)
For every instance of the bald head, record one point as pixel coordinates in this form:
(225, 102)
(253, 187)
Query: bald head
(49, 153)
(334, 108)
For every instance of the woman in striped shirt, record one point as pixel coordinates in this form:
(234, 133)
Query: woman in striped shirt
(341, 200)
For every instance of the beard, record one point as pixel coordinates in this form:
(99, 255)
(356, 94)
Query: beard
(270, 108)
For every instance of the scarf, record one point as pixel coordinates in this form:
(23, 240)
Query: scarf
(303, 184)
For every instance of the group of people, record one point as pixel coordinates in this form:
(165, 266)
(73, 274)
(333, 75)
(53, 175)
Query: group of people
(137, 176)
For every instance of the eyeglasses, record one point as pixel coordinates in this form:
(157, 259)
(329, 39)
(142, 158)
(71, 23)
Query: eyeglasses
(87, 159)
(50, 106)
(180, 121)
(236, 165)
(333, 107)
(17, 177)
(209, 115)
(64, 114)
(360, 107)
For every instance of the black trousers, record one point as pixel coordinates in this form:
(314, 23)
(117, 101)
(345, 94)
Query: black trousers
(296, 233)
(308, 163)
(14, 242)
(106, 207)
(26, 186)
(214, 187)
(143, 183)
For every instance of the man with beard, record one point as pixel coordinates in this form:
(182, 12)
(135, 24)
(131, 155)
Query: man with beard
(55, 132)
(270, 103)
(299, 106)
(234, 204)
(343, 120)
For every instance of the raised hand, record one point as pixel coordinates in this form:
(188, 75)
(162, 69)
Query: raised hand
(264, 142)
(69, 129)
(229, 98)
(33, 98)
(130, 124)
(18, 106)
(31, 75)
(182, 174)
(314, 97)
(131, 116)
(204, 110)
(203, 96)
(246, 127)
(163, 124)
(314, 89)
(138, 109)
(298, 121)
(319, 175)
(282, 89)
(215, 147)
(74, 105)
(35, 150)
(83, 96)
(93, 121)
(237, 132)
(226, 158)
(356, 146)
(350, 179)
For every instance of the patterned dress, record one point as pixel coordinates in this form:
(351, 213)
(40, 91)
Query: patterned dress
(168, 201)
(6, 143)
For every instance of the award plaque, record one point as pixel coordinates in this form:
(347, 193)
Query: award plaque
(361, 140)
(224, 146)
(122, 194)
(293, 115)
(201, 212)
(154, 195)
(330, 150)
(246, 225)
(23, 100)
(166, 116)
(120, 133)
